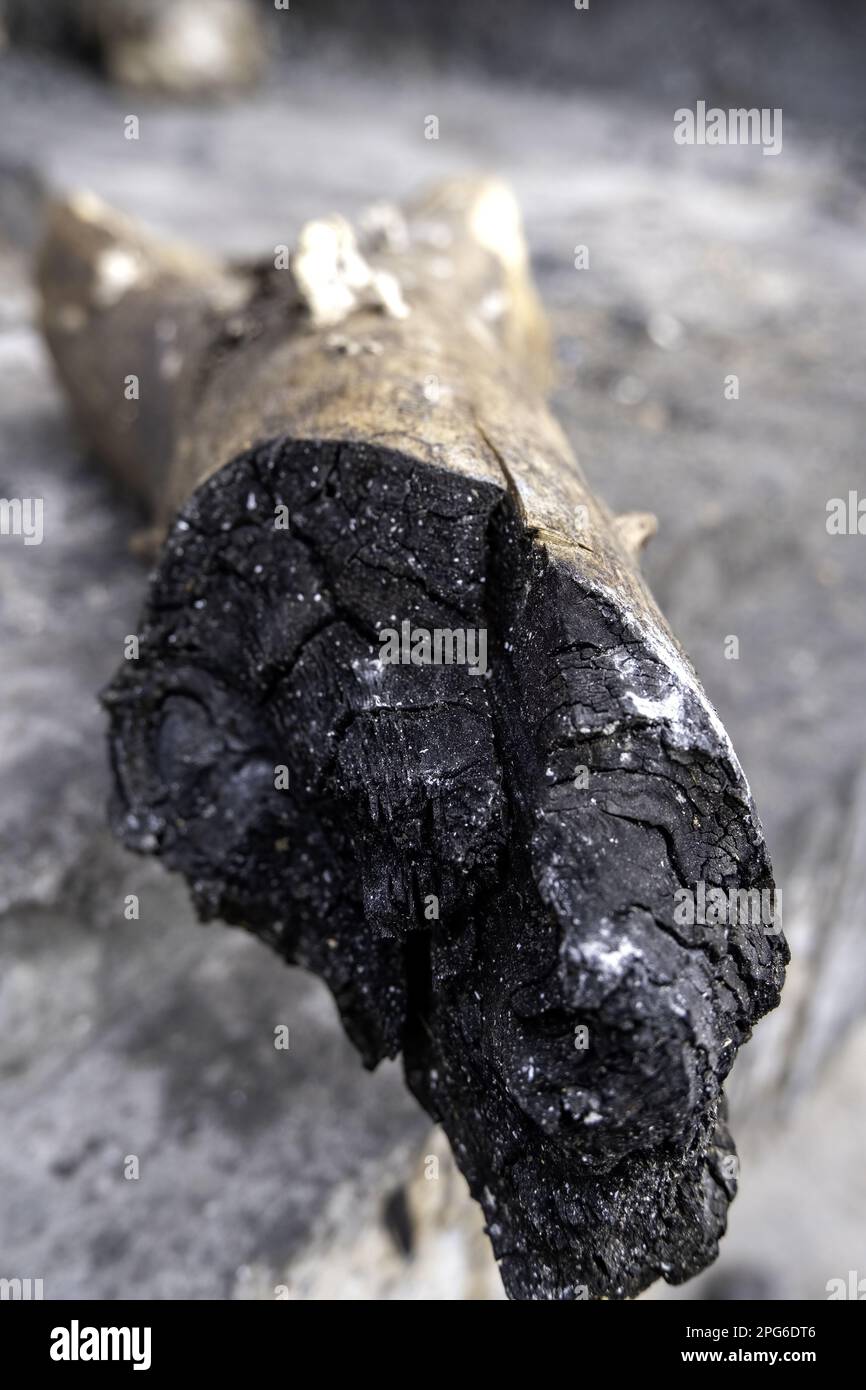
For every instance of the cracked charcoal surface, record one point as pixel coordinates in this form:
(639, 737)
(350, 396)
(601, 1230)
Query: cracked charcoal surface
(598, 1170)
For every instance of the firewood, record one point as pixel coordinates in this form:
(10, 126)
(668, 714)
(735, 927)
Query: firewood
(403, 706)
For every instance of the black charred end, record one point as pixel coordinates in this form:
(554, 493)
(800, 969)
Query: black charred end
(480, 859)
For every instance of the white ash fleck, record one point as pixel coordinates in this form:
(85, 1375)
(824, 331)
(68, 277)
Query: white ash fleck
(663, 648)
(607, 958)
(115, 273)
(494, 305)
(334, 279)
(670, 708)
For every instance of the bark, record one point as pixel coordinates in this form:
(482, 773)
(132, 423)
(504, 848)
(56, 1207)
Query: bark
(481, 863)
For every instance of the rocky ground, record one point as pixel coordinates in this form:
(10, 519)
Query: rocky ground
(262, 1168)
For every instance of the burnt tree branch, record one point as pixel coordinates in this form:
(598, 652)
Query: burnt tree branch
(481, 862)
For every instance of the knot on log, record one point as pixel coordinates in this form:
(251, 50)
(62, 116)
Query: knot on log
(635, 529)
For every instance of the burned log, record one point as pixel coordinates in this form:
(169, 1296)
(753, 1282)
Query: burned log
(352, 472)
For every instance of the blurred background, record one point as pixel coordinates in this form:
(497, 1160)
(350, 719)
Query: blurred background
(266, 1173)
